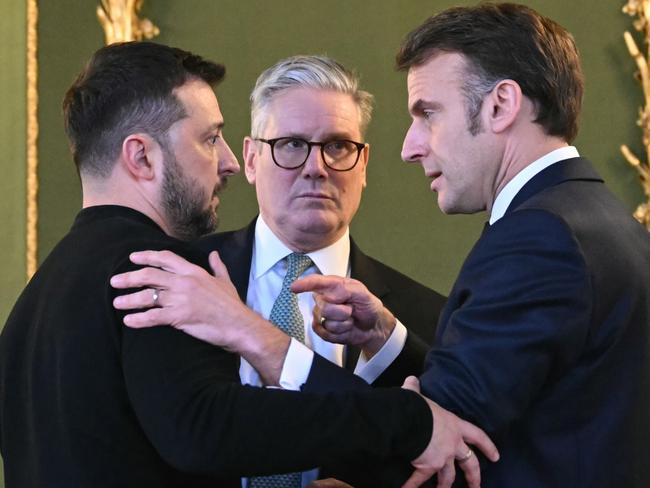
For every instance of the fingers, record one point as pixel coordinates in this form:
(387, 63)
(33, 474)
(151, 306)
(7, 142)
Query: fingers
(140, 299)
(418, 477)
(315, 283)
(151, 277)
(446, 475)
(333, 289)
(411, 383)
(475, 436)
(166, 260)
(332, 311)
(471, 470)
(219, 269)
(150, 318)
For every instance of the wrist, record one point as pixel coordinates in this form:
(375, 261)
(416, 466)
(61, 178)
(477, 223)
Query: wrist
(382, 330)
(264, 346)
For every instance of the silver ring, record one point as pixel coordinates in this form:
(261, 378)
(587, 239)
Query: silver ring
(466, 457)
(322, 320)
(156, 296)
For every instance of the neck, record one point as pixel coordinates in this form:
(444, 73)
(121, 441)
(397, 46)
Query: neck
(519, 153)
(111, 191)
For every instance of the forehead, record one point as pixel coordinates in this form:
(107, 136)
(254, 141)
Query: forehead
(437, 79)
(199, 101)
(313, 113)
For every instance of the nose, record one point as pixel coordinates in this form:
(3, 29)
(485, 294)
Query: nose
(228, 164)
(413, 149)
(315, 167)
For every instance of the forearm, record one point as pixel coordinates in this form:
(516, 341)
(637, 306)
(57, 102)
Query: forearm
(263, 345)
(186, 396)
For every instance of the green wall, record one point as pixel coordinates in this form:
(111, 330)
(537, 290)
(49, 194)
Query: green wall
(250, 35)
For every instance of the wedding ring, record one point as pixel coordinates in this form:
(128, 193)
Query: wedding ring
(156, 296)
(322, 320)
(466, 457)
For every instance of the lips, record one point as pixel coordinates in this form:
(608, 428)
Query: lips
(315, 195)
(434, 177)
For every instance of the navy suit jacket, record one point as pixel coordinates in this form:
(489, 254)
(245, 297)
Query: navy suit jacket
(544, 340)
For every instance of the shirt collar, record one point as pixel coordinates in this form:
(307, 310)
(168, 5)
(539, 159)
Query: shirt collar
(331, 260)
(505, 196)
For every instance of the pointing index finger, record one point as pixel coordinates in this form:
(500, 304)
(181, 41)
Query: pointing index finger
(331, 288)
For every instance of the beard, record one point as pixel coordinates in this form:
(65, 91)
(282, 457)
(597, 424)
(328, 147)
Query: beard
(184, 202)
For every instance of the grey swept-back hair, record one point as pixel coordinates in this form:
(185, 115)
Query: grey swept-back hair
(319, 72)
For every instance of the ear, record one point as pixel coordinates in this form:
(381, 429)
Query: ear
(250, 158)
(141, 156)
(363, 161)
(504, 104)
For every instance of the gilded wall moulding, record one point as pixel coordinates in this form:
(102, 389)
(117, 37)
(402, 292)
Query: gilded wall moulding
(120, 21)
(32, 139)
(641, 10)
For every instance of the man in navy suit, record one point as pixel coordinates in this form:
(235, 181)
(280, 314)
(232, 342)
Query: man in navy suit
(544, 340)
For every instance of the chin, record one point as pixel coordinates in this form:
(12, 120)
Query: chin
(318, 223)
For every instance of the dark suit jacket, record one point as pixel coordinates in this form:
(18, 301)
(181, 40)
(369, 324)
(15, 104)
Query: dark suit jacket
(545, 340)
(87, 402)
(416, 306)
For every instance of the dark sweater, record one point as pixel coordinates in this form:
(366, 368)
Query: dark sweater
(85, 401)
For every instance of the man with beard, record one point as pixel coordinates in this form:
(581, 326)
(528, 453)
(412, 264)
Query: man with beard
(88, 402)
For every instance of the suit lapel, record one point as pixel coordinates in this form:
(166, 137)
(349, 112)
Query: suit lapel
(569, 169)
(362, 269)
(236, 251)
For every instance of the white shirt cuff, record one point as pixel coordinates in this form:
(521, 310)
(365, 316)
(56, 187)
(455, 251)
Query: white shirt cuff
(296, 367)
(370, 370)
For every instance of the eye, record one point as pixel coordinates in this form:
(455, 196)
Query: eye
(291, 144)
(428, 114)
(213, 139)
(339, 149)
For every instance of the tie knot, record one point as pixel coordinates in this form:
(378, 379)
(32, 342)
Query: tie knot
(297, 264)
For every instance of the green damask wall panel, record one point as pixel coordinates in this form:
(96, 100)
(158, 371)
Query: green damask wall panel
(398, 220)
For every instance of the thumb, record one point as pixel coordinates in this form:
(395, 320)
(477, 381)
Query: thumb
(411, 383)
(219, 269)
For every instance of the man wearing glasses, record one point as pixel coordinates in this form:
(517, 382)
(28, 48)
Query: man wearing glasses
(308, 166)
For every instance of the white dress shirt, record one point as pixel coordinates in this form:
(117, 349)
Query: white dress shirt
(508, 193)
(268, 269)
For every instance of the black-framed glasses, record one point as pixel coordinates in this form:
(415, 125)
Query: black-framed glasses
(292, 152)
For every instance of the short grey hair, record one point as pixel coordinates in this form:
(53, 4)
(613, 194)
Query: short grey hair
(319, 72)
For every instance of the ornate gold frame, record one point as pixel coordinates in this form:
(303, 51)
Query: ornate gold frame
(32, 139)
(120, 21)
(641, 9)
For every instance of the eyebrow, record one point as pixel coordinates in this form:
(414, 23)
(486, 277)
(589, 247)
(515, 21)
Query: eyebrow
(327, 137)
(420, 105)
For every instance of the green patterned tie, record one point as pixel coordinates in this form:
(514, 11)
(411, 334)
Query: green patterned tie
(285, 312)
(286, 315)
